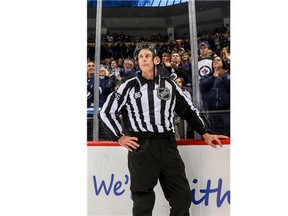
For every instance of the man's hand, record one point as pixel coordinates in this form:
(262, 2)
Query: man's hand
(128, 142)
(209, 138)
(167, 64)
(174, 65)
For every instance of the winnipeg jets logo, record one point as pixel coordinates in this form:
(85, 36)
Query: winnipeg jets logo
(163, 93)
(137, 95)
(204, 70)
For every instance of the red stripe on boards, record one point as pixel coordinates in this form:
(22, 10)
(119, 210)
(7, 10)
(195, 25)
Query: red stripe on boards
(180, 142)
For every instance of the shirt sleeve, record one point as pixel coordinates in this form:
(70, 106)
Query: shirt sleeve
(186, 110)
(109, 114)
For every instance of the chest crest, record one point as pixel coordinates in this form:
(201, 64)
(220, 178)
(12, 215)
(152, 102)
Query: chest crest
(163, 93)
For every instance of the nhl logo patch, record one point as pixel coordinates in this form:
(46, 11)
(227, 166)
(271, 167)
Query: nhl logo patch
(163, 93)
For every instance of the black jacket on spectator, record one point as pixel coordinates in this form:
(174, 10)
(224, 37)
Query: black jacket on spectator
(216, 92)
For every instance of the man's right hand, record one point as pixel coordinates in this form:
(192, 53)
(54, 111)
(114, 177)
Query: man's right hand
(128, 142)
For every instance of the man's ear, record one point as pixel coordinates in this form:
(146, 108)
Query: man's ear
(156, 60)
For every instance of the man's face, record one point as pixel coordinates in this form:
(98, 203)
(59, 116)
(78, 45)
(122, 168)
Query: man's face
(113, 64)
(166, 59)
(128, 65)
(145, 59)
(90, 68)
(203, 50)
(176, 58)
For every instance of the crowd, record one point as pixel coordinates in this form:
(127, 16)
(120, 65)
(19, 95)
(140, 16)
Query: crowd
(117, 65)
(120, 37)
(122, 46)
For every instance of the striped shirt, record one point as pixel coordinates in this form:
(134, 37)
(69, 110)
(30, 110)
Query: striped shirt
(147, 108)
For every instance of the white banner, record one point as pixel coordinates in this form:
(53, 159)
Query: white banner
(207, 169)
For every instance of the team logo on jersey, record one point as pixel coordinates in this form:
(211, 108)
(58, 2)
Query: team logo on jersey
(204, 70)
(117, 96)
(137, 95)
(163, 93)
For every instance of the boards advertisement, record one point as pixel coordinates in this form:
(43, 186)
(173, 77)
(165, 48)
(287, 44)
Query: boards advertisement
(207, 169)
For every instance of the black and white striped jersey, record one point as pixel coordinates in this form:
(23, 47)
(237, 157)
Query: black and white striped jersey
(147, 107)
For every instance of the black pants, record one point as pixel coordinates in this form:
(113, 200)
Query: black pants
(158, 158)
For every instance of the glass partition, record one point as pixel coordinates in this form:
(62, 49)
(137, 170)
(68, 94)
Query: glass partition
(167, 24)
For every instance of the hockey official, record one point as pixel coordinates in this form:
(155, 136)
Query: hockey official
(147, 103)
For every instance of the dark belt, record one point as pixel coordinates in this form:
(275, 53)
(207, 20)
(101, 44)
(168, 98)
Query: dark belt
(152, 134)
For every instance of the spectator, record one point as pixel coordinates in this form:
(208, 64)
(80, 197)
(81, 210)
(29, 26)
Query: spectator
(114, 77)
(186, 61)
(128, 69)
(181, 124)
(204, 60)
(215, 91)
(165, 66)
(114, 68)
(90, 83)
(218, 50)
(120, 63)
(90, 98)
(178, 70)
(172, 67)
(181, 51)
(103, 80)
(225, 55)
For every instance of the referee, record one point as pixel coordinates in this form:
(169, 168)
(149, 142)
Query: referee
(147, 103)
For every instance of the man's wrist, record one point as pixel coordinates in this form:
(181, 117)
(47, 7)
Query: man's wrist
(205, 134)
